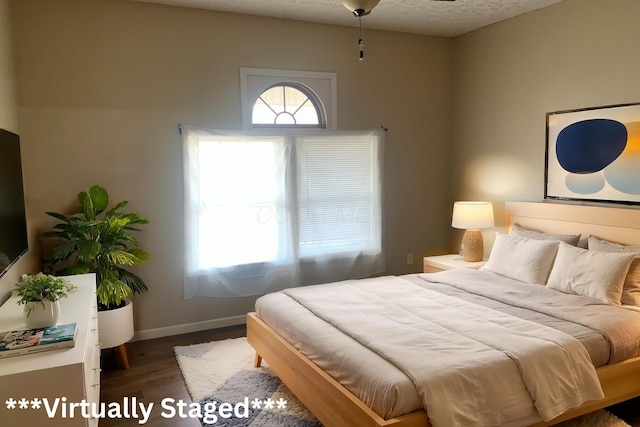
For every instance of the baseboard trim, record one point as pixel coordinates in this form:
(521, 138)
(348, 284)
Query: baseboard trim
(185, 328)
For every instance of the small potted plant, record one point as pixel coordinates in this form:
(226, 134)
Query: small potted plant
(40, 295)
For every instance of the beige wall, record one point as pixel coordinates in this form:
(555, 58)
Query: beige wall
(575, 54)
(102, 86)
(9, 121)
(8, 102)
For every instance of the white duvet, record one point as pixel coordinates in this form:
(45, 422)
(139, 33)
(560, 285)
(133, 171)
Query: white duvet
(471, 366)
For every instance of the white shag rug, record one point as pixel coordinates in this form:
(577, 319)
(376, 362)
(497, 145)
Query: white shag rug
(223, 371)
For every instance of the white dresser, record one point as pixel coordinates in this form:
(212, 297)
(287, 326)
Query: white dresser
(72, 373)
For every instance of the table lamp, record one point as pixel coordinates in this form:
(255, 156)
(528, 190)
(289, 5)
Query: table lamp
(472, 217)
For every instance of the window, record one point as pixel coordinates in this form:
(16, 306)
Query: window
(265, 212)
(337, 200)
(233, 213)
(288, 104)
(319, 87)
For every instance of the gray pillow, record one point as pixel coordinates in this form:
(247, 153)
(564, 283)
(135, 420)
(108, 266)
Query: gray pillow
(571, 239)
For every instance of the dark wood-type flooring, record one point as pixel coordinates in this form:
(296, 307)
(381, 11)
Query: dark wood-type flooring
(154, 375)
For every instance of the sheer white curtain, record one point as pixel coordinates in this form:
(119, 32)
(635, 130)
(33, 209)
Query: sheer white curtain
(264, 212)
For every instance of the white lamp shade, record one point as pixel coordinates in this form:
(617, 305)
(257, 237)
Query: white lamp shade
(365, 5)
(472, 215)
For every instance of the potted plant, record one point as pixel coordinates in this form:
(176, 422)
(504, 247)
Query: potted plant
(100, 241)
(40, 295)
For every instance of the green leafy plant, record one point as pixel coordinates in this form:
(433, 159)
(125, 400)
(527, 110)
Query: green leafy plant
(100, 241)
(41, 287)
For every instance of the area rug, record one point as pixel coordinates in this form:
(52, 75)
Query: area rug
(222, 371)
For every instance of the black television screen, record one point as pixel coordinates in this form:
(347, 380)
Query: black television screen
(13, 220)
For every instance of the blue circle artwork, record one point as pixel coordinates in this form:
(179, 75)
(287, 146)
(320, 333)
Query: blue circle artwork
(591, 145)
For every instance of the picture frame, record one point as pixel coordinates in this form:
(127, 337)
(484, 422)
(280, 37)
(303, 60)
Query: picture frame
(593, 154)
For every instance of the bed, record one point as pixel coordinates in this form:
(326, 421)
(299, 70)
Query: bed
(332, 402)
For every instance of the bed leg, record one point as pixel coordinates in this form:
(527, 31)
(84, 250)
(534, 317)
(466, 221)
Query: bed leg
(257, 361)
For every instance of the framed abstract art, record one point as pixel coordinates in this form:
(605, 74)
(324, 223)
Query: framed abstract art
(593, 154)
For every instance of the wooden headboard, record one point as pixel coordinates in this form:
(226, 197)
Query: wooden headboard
(616, 224)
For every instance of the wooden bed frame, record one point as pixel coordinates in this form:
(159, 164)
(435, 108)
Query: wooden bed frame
(334, 405)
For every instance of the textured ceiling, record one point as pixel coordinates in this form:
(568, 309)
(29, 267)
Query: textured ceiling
(441, 18)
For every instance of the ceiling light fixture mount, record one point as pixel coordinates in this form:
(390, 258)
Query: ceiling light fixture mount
(360, 7)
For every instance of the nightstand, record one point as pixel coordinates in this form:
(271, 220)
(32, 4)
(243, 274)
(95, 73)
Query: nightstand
(434, 264)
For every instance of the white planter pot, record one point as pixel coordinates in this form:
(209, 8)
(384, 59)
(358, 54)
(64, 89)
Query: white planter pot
(41, 313)
(115, 326)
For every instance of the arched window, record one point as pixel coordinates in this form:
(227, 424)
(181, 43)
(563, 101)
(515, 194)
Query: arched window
(288, 104)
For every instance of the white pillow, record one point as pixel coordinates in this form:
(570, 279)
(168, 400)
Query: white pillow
(631, 287)
(594, 274)
(526, 260)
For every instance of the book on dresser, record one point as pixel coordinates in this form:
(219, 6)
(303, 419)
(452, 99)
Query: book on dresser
(27, 341)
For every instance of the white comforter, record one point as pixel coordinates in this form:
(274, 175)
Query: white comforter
(471, 366)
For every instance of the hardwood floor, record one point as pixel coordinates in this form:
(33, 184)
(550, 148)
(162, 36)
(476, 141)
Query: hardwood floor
(154, 375)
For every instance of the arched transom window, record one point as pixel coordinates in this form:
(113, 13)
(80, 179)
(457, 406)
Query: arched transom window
(288, 105)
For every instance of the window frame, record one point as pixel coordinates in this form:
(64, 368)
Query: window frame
(254, 81)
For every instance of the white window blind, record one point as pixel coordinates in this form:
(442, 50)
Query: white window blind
(338, 198)
(266, 212)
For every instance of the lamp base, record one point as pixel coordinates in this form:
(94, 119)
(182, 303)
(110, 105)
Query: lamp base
(472, 246)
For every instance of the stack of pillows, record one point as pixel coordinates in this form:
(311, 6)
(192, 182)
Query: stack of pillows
(605, 271)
